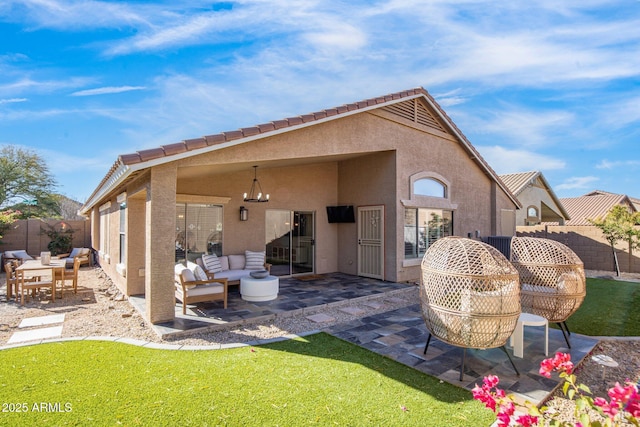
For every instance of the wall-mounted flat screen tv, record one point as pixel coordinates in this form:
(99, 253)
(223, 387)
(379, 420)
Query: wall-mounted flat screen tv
(342, 213)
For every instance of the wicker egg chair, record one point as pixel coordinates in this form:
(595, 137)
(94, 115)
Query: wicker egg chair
(469, 295)
(552, 280)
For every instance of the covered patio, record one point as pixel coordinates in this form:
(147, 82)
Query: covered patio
(398, 333)
(305, 294)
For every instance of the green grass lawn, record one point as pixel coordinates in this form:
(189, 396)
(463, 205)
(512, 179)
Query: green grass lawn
(316, 380)
(611, 308)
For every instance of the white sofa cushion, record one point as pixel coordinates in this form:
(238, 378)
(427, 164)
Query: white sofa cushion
(205, 290)
(224, 262)
(236, 262)
(232, 275)
(21, 254)
(254, 260)
(211, 263)
(78, 251)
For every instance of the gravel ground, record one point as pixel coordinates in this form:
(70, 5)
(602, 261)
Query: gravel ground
(98, 309)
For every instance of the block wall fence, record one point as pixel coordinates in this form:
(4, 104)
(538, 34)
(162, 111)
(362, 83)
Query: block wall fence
(589, 244)
(27, 234)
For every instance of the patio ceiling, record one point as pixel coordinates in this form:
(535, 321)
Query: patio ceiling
(200, 171)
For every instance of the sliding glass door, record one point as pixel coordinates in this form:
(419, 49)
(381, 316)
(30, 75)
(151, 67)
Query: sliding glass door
(290, 242)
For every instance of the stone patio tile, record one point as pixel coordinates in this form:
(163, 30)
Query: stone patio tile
(352, 310)
(320, 317)
(41, 320)
(389, 340)
(373, 304)
(35, 334)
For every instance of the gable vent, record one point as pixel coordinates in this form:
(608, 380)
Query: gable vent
(415, 111)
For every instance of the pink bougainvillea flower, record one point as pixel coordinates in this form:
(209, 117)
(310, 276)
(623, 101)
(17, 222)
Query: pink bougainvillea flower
(625, 400)
(607, 409)
(484, 395)
(491, 381)
(503, 420)
(633, 404)
(527, 420)
(620, 394)
(561, 362)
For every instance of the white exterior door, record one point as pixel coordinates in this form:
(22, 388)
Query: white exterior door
(371, 242)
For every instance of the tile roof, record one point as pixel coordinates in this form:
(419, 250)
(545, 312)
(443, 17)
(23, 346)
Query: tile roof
(209, 140)
(516, 182)
(135, 161)
(583, 208)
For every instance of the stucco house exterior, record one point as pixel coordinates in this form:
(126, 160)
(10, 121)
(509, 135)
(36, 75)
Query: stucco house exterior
(398, 161)
(539, 202)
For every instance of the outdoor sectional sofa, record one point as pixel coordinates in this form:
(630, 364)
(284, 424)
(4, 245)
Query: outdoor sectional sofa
(233, 267)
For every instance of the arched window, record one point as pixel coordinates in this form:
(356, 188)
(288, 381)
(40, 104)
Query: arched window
(532, 212)
(428, 215)
(429, 187)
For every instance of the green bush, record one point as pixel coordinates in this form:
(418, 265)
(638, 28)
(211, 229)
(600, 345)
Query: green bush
(61, 239)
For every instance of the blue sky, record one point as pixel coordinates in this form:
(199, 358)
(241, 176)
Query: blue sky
(546, 85)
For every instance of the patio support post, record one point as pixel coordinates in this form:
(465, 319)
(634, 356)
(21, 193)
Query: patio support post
(160, 228)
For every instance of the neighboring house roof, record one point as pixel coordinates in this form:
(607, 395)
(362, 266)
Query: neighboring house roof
(593, 206)
(127, 166)
(635, 201)
(518, 182)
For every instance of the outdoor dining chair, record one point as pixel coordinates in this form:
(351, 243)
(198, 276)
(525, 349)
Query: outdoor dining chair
(12, 282)
(43, 280)
(71, 276)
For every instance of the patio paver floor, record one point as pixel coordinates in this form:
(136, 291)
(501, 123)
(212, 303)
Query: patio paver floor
(399, 334)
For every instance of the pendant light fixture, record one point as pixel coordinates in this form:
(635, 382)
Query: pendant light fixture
(256, 194)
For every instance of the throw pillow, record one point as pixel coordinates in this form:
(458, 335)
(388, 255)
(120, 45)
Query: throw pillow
(22, 254)
(236, 262)
(187, 276)
(200, 274)
(255, 260)
(212, 263)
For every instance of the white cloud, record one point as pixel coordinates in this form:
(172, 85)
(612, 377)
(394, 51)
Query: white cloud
(74, 14)
(577, 183)
(505, 161)
(195, 30)
(13, 100)
(514, 125)
(450, 98)
(622, 111)
(606, 164)
(107, 90)
(30, 85)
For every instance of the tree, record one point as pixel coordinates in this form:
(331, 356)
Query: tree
(620, 225)
(24, 176)
(7, 218)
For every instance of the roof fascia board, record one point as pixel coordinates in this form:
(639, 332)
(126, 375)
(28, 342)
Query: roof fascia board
(554, 197)
(121, 173)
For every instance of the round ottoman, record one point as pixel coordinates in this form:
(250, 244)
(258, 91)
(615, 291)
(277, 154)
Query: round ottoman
(264, 289)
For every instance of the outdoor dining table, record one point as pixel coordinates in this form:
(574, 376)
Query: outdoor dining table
(55, 265)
